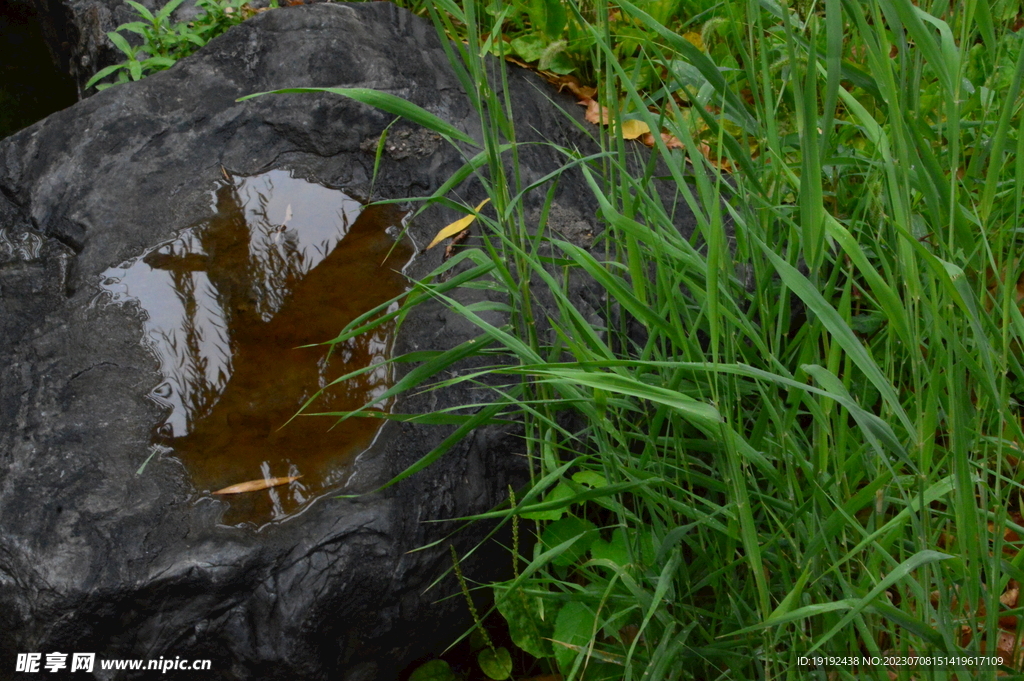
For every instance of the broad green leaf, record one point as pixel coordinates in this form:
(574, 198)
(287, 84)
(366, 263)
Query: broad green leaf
(530, 46)
(435, 670)
(615, 550)
(559, 493)
(529, 631)
(136, 27)
(122, 44)
(103, 73)
(567, 529)
(158, 63)
(590, 479)
(574, 626)
(549, 16)
(496, 663)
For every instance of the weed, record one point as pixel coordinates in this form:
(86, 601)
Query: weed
(163, 44)
(820, 454)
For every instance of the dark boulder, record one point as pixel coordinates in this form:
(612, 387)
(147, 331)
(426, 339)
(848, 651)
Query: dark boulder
(96, 556)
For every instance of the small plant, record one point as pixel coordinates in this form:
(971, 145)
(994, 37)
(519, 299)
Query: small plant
(163, 44)
(495, 662)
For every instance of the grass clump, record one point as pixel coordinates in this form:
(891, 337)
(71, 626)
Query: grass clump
(163, 43)
(812, 444)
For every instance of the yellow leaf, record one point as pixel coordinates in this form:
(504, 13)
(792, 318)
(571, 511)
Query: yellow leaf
(694, 39)
(457, 226)
(256, 485)
(632, 129)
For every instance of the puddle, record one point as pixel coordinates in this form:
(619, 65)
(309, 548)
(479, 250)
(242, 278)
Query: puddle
(283, 263)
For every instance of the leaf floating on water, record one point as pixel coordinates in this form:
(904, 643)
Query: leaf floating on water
(256, 485)
(457, 226)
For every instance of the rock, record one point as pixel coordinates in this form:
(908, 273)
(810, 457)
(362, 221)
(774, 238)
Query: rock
(98, 557)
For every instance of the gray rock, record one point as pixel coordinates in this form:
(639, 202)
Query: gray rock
(97, 557)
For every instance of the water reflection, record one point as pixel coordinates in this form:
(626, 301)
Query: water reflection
(283, 263)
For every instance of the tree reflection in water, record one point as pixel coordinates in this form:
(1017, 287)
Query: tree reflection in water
(283, 263)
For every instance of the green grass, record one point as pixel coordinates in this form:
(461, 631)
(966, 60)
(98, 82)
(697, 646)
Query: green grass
(813, 445)
(804, 450)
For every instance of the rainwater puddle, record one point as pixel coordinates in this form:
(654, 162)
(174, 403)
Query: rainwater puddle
(283, 263)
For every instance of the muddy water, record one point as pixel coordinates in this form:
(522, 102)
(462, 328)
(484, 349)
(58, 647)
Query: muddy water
(228, 303)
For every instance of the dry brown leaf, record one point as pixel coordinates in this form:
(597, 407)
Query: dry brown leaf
(449, 250)
(723, 164)
(671, 141)
(256, 485)
(583, 91)
(599, 115)
(572, 84)
(1009, 599)
(628, 633)
(518, 62)
(596, 114)
(457, 226)
(1006, 646)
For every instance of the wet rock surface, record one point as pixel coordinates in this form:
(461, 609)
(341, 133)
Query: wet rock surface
(97, 557)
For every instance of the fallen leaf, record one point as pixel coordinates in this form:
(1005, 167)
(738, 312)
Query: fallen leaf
(723, 164)
(256, 485)
(1006, 645)
(572, 84)
(628, 633)
(457, 226)
(632, 129)
(596, 114)
(449, 250)
(671, 141)
(518, 62)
